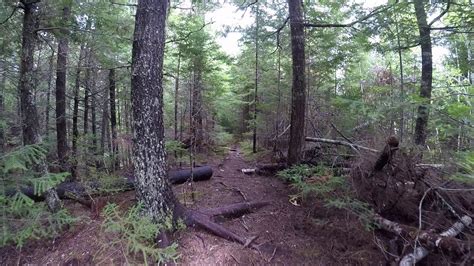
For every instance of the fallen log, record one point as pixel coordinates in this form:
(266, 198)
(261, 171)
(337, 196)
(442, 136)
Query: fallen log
(430, 241)
(340, 142)
(420, 252)
(75, 190)
(270, 169)
(201, 173)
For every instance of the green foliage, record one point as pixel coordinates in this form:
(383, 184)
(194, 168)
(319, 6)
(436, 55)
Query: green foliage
(359, 208)
(173, 146)
(465, 163)
(22, 159)
(138, 234)
(247, 151)
(23, 219)
(320, 181)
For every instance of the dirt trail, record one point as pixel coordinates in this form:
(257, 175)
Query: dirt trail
(308, 234)
(297, 234)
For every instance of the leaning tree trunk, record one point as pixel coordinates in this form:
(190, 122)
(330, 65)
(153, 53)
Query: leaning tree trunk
(298, 96)
(426, 74)
(61, 125)
(152, 187)
(29, 114)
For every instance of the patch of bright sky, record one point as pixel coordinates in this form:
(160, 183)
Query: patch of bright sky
(228, 16)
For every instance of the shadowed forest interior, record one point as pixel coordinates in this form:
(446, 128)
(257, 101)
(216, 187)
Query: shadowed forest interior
(236, 132)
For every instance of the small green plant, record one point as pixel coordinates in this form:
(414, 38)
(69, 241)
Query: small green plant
(357, 207)
(21, 218)
(138, 233)
(321, 181)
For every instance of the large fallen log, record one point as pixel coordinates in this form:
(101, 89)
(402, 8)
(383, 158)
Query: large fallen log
(74, 190)
(201, 173)
(445, 241)
(340, 142)
(420, 252)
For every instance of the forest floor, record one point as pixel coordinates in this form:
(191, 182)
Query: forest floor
(304, 234)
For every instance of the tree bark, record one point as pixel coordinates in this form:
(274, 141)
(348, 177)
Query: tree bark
(176, 90)
(87, 88)
(48, 94)
(196, 118)
(2, 110)
(152, 187)
(298, 99)
(61, 125)
(93, 111)
(255, 96)
(113, 117)
(75, 114)
(426, 74)
(29, 114)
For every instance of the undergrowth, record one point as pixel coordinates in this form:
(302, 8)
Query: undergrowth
(137, 233)
(320, 181)
(247, 151)
(21, 218)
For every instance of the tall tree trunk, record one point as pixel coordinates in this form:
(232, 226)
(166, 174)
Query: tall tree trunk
(255, 96)
(87, 89)
(75, 114)
(93, 111)
(29, 114)
(104, 125)
(2, 110)
(152, 186)
(426, 74)
(113, 117)
(298, 87)
(176, 103)
(196, 109)
(61, 125)
(402, 84)
(48, 94)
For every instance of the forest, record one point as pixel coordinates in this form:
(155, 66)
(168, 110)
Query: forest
(216, 132)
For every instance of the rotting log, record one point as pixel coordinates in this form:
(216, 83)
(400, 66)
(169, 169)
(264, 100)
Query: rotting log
(198, 174)
(340, 142)
(270, 169)
(445, 241)
(75, 190)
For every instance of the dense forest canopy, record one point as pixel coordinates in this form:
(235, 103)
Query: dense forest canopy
(94, 91)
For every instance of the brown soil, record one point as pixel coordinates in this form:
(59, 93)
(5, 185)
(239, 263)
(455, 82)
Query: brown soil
(305, 234)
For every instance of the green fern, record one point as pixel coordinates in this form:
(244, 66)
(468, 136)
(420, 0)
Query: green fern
(23, 219)
(138, 233)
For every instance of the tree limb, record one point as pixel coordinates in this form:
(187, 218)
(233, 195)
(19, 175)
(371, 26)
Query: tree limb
(448, 5)
(11, 15)
(351, 24)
